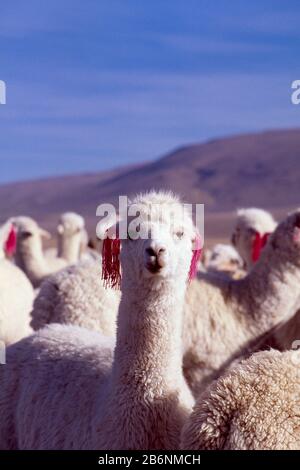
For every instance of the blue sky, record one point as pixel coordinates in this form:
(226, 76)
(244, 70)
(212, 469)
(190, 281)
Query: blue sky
(101, 83)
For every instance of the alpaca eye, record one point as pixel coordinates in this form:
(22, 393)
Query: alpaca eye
(26, 234)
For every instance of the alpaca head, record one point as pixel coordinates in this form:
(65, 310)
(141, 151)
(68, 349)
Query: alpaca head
(70, 224)
(160, 239)
(29, 233)
(223, 256)
(285, 241)
(251, 231)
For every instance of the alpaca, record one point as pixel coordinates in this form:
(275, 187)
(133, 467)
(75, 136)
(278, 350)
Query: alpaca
(29, 253)
(70, 231)
(251, 232)
(225, 259)
(254, 406)
(76, 296)
(16, 297)
(72, 240)
(251, 222)
(236, 314)
(81, 396)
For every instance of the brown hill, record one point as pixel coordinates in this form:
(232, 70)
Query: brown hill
(260, 169)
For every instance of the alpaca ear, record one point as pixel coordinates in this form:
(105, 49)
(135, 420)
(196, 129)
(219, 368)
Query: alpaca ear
(11, 242)
(197, 250)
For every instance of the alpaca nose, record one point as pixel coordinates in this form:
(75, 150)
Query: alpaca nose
(155, 255)
(155, 251)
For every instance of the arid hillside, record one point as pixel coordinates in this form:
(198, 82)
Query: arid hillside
(260, 169)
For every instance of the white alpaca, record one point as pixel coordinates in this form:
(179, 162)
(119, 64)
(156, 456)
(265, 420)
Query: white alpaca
(250, 223)
(16, 297)
(72, 240)
(29, 253)
(255, 406)
(250, 233)
(77, 296)
(224, 259)
(71, 228)
(236, 314)
(59, 390)
(70, 232)
(222, 317)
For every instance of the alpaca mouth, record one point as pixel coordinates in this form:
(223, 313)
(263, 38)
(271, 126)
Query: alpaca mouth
(154, 268)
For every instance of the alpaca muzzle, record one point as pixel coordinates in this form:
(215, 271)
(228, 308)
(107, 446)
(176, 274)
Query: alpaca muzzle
(155, 258)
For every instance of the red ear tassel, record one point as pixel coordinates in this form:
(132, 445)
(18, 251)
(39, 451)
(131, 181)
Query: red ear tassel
(111, 272)
(258, 244)
(196, 256)
(11, 242)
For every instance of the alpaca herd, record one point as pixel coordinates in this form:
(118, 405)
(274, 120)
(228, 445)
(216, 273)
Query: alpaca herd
(175, 359)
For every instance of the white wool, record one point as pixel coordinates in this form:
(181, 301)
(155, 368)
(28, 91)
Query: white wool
(255, 406)
(16, 299)
(76, 296)
(29, 253)
(225, 253)
(224, 258)
(4, 232)
(72, 220)
(223, 317)
(258, 219)
(60, 389)
(70, 232)
(72, 240)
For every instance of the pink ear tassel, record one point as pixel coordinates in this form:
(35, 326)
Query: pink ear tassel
(258, 244)
(111, 272)
(196, 256)
(11, 242)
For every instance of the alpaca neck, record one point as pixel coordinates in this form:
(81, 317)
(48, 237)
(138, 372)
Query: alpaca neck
(30, 258)
(69, 247)
(148, 353)
(271, 289)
